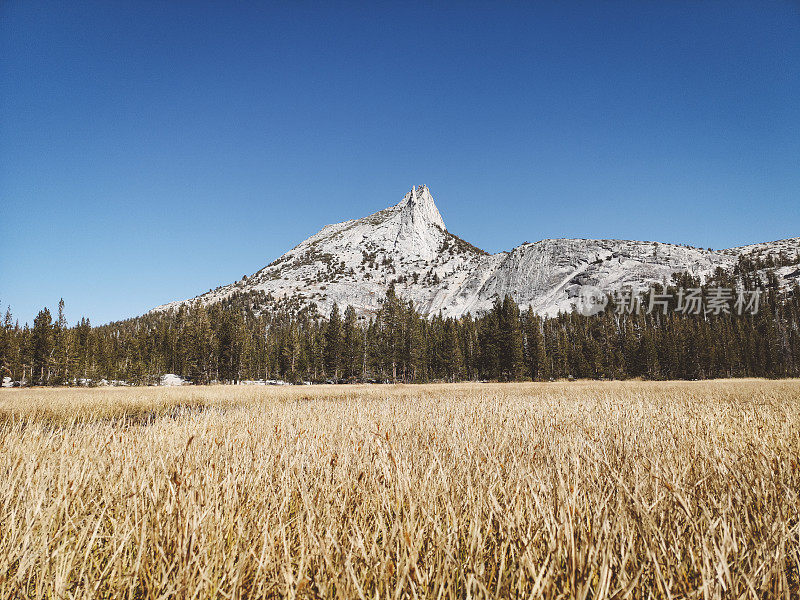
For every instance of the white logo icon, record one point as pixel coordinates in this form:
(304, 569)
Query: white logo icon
(591, 300)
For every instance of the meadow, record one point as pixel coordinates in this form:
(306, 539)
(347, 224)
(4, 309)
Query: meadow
(552, 490)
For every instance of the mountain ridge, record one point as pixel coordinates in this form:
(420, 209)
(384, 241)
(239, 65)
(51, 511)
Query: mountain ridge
(407, 245)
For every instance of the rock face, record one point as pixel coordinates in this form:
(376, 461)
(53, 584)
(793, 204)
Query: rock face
(354, 262)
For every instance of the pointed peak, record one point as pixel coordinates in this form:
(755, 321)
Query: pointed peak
(417, 193)
(419, 202)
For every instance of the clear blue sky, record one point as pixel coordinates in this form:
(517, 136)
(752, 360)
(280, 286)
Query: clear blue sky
(152, 150)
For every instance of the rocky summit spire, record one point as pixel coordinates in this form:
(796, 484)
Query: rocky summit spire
(420, 208)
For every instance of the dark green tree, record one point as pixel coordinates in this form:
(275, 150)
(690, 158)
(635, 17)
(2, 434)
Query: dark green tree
(333, 344)
(42, 348)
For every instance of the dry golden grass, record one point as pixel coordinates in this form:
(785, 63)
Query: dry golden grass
(570, 490)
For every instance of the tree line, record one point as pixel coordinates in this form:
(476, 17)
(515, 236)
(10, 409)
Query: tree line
(245, 337)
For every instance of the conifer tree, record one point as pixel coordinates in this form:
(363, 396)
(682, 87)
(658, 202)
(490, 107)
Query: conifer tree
(63, 347)
(229, 346)
(201, 345)
(452, 351)
(489, 345)
(391, 322)
(42, 348)
(350, 344)
(333, 344)
(510, 339)
(416, 344)
(7, 347)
